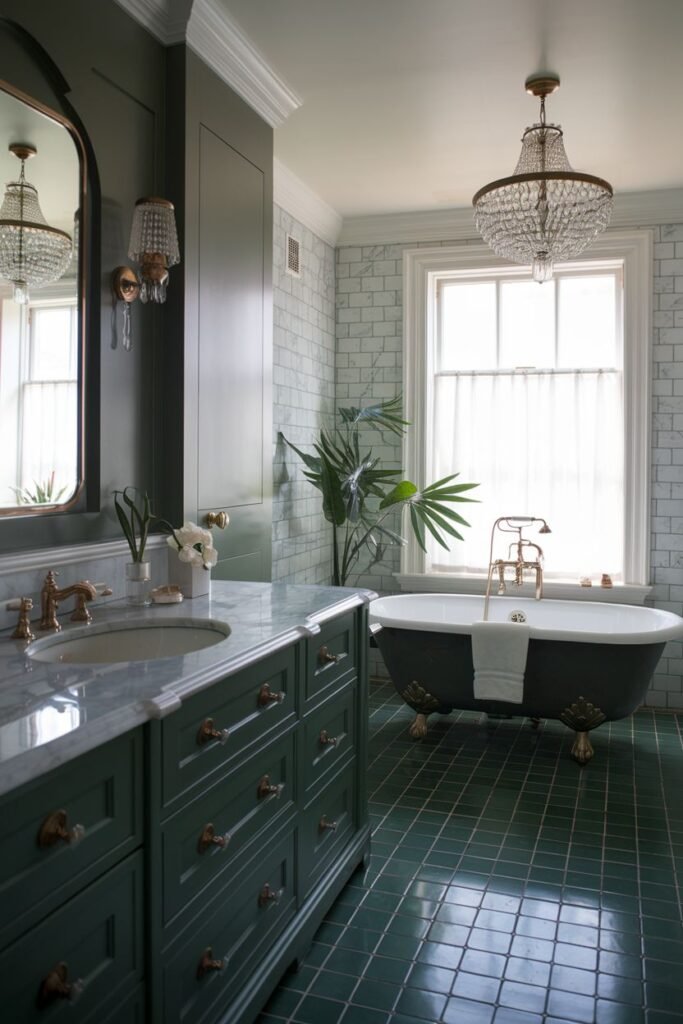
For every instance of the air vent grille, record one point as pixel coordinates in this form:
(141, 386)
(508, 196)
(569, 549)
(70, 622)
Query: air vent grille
(293, 256)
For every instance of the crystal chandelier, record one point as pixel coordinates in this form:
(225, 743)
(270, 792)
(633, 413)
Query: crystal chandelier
(154, 245)
(545, 211)
(31, 252)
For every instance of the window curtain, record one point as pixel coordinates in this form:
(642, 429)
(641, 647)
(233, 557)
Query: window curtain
(542, 444)
(49, 435)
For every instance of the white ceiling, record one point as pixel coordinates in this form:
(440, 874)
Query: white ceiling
(414, 104)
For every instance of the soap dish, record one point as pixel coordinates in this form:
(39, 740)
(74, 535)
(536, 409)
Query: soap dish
(169, 593)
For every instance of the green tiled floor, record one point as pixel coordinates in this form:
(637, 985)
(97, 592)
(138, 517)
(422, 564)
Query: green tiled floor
(506, 884)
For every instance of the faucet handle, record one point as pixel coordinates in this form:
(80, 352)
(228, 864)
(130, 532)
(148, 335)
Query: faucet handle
(103, 589)
(24, 605)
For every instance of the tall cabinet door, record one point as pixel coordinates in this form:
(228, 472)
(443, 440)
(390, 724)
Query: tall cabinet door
(232, 371)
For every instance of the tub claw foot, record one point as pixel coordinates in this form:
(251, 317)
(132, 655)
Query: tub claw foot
(582, 748)
(582, 716)
(418, 730)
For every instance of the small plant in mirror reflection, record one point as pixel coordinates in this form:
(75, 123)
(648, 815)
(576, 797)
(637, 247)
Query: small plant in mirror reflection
(42, 494)
(135, 516)
(359, 498)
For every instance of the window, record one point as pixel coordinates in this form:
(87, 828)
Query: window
(540, 393)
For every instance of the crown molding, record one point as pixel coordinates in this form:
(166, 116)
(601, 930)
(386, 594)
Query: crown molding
(165, 19)
(217, 39)
(293, 195)
(631, 209)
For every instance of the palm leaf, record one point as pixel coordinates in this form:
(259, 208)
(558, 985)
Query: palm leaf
(403, 491)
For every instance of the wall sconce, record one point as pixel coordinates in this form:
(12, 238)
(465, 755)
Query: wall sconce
(154, 245)
(31, 252)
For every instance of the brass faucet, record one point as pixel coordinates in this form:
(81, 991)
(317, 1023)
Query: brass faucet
(517, 558)
(51, 596)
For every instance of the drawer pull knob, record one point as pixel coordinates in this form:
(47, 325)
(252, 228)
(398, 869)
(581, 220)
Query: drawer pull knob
(209, 838)
(55, 986)
(219, 519)
(266, 788)
(326, 825)
(268, 895)
(326, 657)
(207, 732)
(329, 741)
(54, 830)
(207, 963)
(266, 696)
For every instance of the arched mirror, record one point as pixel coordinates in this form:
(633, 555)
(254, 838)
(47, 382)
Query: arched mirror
(42, 177)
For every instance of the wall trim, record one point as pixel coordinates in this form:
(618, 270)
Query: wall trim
(165, 19)
(52, 558)
(631, 209)
(295, 197)
(217, 39)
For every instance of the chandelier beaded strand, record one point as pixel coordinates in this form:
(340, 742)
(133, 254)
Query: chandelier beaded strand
(545, 211)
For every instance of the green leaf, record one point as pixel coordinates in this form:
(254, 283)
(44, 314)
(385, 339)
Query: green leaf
(401, 492)
(418, 528)
(125, 526)
(444, 511)
(334, 509)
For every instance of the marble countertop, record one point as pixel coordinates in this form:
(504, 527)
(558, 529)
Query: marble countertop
(52, 712)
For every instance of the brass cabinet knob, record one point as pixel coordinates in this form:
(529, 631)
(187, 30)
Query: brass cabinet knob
(265, 788)
(326, 740)
(219, 519)
(207, 732)
(326, 657)
(209, 838)
(54, 830)
(207, 963)
(266, 696)
(55, 986)
(268, 895)
(326, 825)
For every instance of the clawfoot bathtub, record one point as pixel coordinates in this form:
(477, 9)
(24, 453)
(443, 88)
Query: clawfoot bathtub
(588, 661)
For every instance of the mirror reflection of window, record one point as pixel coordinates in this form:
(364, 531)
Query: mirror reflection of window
(40, 340)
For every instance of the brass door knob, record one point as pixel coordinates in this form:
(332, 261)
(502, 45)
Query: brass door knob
(207, 963)
(54, 830)
(266, 788)
(219, 519)
(328, 741)
(207, 732)
(268, 895)
(325, 656)
(55, 986)
(266, 696)
(209, 838)
(325, 825)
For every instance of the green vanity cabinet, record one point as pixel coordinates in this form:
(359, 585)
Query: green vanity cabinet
(172, 874)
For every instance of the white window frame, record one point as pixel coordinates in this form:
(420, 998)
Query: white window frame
(421, 271)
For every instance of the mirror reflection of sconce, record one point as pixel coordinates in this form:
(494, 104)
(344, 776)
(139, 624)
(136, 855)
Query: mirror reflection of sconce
(31, 252)
(154, 245)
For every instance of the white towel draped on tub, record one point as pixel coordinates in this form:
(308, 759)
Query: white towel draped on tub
(499, 651)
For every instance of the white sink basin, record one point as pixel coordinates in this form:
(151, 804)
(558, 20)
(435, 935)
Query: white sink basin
(115, 642)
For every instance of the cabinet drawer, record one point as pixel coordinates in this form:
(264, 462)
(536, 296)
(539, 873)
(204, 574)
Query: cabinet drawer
(233, 812)
(128, 1011)
(95, 940)
(236, 937)
(101, 791)
(326, 826)
(330, 655)
(240, 708)
(329, 738)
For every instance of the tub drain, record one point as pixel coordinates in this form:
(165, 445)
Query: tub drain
(516, 617)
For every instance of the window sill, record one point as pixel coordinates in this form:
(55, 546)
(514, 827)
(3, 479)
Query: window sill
(442, 583)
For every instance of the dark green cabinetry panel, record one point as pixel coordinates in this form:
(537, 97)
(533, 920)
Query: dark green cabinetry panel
(236, 933)
(327, 825)
(102, 791)
(330, 656)
(328, 739)
(98, 938)
(235, 706)
(245, 804)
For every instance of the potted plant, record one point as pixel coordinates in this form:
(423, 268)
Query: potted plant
(359, 498)
(135, 516)
(193, 557)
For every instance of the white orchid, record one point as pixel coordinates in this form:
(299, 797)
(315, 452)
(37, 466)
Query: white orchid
(194, 545)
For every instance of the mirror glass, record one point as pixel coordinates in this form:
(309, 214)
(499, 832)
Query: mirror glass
(40, 310)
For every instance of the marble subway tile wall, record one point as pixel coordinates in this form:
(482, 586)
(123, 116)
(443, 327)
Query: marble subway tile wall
(303, 399)
(369, 353)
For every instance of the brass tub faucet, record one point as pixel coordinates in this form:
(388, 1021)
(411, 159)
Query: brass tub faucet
(520, 558)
